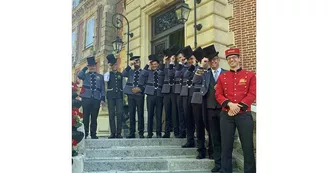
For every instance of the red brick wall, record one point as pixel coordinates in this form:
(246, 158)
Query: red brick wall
(243, 24)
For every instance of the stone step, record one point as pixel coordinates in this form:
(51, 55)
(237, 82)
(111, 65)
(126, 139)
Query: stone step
(176, 171)
(141, 151)
(239, 159)
(109, 143)
(149, 165)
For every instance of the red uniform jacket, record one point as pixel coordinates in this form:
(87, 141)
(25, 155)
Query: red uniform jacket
(236, 87)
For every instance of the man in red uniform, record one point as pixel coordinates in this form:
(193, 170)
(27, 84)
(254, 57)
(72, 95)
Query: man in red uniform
(236, 91)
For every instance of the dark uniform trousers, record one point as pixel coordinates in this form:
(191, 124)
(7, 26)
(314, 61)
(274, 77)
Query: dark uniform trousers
(115, 107)
(90, 106)
(213, 117)
(200, 127)
(244, 123)
(154, 103)
(189, 117)
(136, 102)
(181, 116)
(171, 116)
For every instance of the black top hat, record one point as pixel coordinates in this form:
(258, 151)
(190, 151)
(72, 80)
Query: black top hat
(135, 57)
(153, 58)
(111, 59)
(198, 53)
(166, 52)
(210, 52)
(187, 52)
(175, 49)
(91, 60)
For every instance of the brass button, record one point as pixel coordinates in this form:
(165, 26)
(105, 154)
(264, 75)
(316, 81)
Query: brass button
(225, 88)
(226, 94)
(235, 78)
(235, 94)
(235, 100)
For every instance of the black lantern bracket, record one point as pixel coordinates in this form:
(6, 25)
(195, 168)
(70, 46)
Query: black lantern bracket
(118, 24)
(183, 11)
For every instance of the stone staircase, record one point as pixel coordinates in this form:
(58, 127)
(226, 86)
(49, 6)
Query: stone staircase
(155, 155)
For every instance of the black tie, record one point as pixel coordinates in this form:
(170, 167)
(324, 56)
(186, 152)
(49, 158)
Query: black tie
(156, 79)
(93, 81)
(136, 77)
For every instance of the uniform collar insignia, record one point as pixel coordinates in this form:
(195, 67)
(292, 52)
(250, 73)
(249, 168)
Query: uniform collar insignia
(237, 70)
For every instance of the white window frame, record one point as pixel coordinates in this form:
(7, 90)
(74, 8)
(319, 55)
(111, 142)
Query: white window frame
(74, 41)
(90, 32)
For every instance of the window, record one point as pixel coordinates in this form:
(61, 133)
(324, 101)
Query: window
(76, 3)
(74, 38)
(90, 32)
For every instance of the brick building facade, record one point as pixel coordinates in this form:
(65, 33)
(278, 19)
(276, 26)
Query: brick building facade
(243, 24)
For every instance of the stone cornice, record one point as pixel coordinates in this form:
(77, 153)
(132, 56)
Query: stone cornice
(85, 5)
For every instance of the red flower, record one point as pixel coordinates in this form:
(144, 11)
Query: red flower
(82, 90)
(80, 114)
(76, 111)
(73, 121)
(74, 142)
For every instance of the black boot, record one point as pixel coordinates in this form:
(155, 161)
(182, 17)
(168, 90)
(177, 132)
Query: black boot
(216, 169)
(112, 136)
(201, 155)
(94, 137)
(166, 135)
(182, 136)
(119, 136)
(131, 136)
(189, 145)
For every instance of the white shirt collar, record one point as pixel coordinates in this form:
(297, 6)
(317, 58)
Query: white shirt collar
(218, 70)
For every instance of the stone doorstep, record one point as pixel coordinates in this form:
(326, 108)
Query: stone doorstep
(141, 152)
(148, 164)
(153, 165)
(175, 171)
(109, 143)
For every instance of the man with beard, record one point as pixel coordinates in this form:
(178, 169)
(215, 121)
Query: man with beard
(208, 78)
(135, 99)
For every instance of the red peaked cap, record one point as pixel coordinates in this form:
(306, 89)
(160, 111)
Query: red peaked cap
(232, 51)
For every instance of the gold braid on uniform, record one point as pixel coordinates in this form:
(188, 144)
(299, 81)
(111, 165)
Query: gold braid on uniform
(200, 72)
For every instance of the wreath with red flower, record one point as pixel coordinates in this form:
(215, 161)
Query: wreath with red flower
(76, 118)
